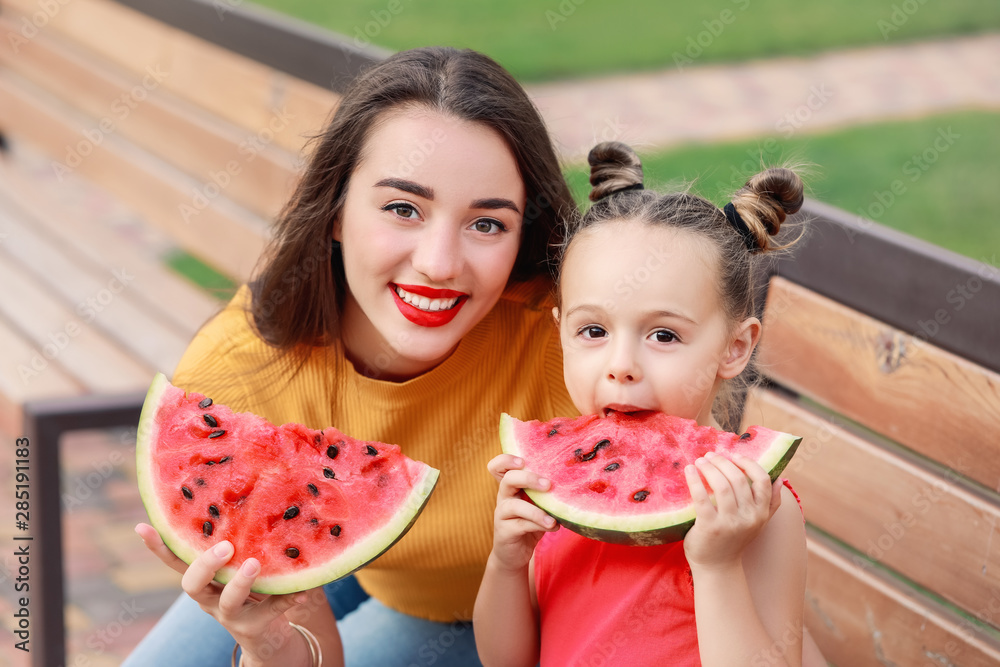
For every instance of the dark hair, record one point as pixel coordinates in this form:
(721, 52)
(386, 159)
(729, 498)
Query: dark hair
(763, 203)
(299, 287)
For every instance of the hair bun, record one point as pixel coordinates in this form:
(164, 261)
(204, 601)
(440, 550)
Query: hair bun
(766, 200)
(614, 167)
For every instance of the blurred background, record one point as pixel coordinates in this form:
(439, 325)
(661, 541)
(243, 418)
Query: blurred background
(145, 150)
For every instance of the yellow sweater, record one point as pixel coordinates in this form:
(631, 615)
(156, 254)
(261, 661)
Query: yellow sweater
(448, 417)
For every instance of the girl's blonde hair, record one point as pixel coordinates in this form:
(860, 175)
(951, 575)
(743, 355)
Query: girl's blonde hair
(762, 205)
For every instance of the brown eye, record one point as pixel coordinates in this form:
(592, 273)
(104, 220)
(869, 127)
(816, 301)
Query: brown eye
(664, 336)
(488, 226)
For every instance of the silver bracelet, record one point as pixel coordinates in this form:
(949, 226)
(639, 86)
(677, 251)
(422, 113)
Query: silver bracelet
(315, 650)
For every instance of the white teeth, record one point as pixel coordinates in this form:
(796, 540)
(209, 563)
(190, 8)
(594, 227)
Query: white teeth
(424, 303)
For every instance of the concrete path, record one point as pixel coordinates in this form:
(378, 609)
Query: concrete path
(778, 97)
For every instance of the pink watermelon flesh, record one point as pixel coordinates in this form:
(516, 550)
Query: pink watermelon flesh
(621, 479)
(312, 506)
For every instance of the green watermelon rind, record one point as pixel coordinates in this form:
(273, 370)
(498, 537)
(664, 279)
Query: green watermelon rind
(348, 562)
(636, 529)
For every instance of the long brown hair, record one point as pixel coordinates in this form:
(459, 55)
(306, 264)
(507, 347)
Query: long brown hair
(299, 288)
(764, 202)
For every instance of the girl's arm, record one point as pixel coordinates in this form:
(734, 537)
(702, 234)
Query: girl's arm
(748, 571)
(505, 618)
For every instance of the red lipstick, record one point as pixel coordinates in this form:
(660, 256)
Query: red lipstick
(426, 318)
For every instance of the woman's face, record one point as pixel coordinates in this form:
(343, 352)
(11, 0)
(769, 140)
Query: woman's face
(430, 229)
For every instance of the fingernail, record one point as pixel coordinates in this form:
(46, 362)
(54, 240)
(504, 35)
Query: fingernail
(518, 461)
(544, 483)
(709, 455)
(550, 522)
(222, 549)
(300, 598)
(250, 568)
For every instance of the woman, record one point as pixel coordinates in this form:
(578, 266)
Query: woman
(404, 299)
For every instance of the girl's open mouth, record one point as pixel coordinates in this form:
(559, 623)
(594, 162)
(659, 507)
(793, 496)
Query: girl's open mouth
(426, 306)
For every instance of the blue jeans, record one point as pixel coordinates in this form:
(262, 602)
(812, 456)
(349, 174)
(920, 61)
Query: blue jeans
(373, 635)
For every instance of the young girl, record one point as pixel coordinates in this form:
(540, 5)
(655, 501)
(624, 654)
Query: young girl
(656, 312)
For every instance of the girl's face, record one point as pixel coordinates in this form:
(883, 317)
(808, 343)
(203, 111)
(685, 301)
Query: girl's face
(641, 322)
(430, 229)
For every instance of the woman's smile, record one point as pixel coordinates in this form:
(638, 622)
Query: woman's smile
(426, 306)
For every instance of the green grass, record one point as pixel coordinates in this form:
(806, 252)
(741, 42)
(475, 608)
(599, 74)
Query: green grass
(954, 202)
(567, 38)
(201, 274)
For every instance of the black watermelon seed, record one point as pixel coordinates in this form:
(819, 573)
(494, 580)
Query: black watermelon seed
(210, 463)
(592, 453)
(210, 420)
(328, 473)
(318, 438)
(745, 436)
(187, 492)
(292, 552)
(204, 403)
(335, 530)
(314, 522)
(224, 459)
(291, 512)
(199, 482)
(611, 467)
(602, 444)
(578, 453)
(332, 451)
(207, 528)
(554, 431)
(312, 489)
(214, 511)
(217, 434)
(676, 464)
(640, 495)
(371, 451)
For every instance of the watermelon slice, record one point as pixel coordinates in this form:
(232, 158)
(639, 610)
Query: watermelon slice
(311, 506)
(621, 479)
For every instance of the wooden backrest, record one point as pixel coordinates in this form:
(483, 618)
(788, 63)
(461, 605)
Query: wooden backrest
(899, 469)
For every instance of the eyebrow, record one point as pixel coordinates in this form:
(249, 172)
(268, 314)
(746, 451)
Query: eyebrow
(656, 313)
(490, 203)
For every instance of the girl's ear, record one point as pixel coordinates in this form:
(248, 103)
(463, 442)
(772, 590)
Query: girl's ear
(555, 313)
(740, 348)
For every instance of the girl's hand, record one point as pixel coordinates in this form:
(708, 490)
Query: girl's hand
(517, 524)
(251, 618)
(744, 501)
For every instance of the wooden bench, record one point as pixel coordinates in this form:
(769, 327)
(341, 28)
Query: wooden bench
(136, 131)
(883, 352)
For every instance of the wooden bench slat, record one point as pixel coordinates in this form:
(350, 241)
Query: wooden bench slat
(53, 208)
(63, 339)
(107, 299)
(917, 522)
(228, 85)
(17, 386)
(223, 234)
(256, 174)
(927, 399)
(862, 618)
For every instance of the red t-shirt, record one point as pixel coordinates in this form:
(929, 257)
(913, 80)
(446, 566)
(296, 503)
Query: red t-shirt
(607, 604)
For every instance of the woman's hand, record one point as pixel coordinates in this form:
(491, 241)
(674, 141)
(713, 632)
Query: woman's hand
(255, 621)
(517, 524)
(744, 502)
